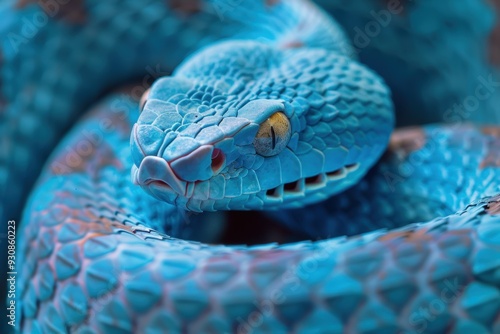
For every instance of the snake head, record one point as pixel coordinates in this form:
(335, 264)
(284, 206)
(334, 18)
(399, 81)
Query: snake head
(282, 128)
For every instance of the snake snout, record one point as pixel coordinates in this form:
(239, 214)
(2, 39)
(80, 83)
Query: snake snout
(155, 170)
(175, 176)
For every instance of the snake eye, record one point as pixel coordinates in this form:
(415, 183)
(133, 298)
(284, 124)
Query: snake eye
(143, 100)
(273, 135)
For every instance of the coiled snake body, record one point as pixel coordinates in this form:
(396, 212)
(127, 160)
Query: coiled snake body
(270, 112)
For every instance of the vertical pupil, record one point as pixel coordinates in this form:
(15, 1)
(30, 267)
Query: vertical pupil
(273, 136)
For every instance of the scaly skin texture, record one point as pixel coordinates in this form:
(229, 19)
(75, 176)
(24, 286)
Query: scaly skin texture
(339, 115)
(428, 172)
(80, 40)
(94, 249)
(440, 60)
(92, 263)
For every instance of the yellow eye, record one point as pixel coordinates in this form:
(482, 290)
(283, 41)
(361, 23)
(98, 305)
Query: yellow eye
(143, 100)
(273, 135)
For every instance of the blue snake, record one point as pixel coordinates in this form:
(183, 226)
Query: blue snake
(270, 108)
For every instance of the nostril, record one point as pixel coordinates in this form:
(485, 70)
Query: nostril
(217, 159)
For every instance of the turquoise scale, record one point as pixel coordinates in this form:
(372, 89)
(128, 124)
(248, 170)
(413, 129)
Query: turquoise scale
(96, 254)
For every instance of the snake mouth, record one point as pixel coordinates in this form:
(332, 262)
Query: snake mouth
(159, 184)
(311, 183)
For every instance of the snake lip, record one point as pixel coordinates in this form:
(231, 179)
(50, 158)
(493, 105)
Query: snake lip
(159, 184)
(302, 185)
